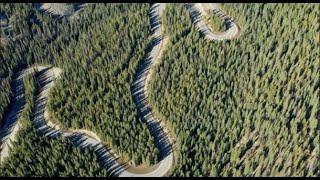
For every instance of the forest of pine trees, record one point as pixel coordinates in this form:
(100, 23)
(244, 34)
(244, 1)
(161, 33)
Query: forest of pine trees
(34, 155)
(105, 69)
(243, 107)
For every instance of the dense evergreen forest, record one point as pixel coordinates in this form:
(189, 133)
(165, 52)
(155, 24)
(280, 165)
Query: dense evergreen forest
(34, 155)
(100, 86)
(96, 64)
(105, 74)
(245, 107)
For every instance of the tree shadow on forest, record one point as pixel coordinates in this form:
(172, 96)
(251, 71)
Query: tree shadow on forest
(197, 18)
(15, 108)
(81, 140)
(161, 139)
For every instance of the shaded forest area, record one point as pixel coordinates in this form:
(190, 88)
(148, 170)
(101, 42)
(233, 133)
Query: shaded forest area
(245, 107)
(35, 155)
(89, 51)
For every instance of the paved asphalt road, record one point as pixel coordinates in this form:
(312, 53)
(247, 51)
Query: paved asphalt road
(139, 90)
(81, 139)
(197, 12)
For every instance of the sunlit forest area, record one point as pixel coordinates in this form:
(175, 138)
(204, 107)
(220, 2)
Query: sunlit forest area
(242, 107)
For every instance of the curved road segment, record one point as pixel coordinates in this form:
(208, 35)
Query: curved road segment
(87, 139)
(11, 125)
(83, 139)
(197, 12)
(60, 9)
(139, 91)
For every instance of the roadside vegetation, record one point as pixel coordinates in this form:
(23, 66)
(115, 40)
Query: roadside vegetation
(98, 55)
(216, 23)
(245, 107)
(36, 155)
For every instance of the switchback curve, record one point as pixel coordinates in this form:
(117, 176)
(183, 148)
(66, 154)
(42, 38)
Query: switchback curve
(87, 139)
(83, 138)
(197, 12)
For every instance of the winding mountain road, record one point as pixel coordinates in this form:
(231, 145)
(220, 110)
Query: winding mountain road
(197, 12)
(140, 95)
(87, 139)
(10, 121)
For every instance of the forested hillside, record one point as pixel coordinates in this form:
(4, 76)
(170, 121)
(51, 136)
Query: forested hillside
(242, 107)
(94, 92)
(89, 51)
(34, 155)
(245, 107)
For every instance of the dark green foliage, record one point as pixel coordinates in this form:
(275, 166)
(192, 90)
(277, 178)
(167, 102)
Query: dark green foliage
(176, 26)
(246, 107)
(98, 55)
(34, 155)
(94, 92)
